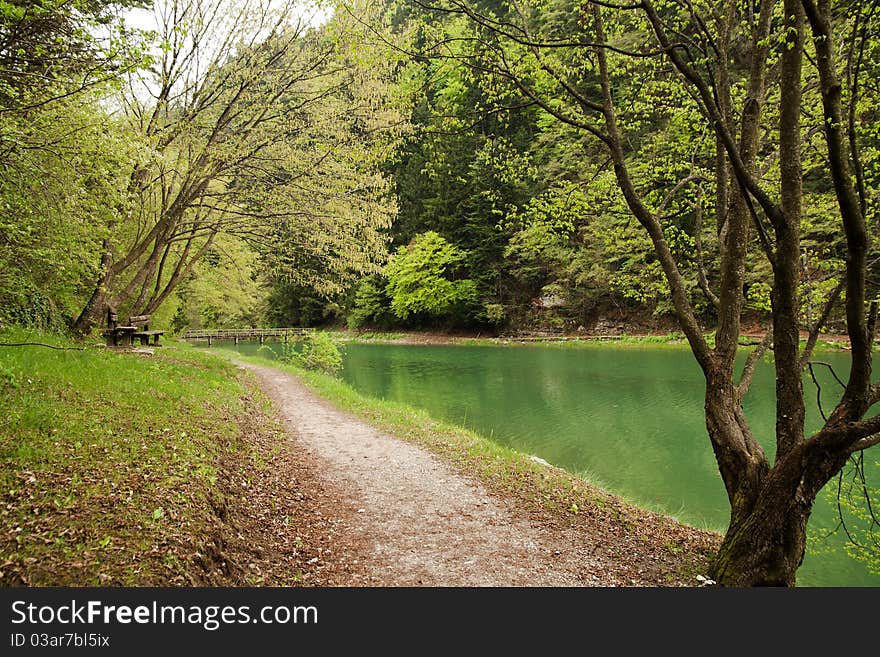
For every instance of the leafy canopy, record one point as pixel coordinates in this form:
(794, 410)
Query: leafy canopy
(423, 278)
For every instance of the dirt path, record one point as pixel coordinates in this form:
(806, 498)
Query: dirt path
(409, 520)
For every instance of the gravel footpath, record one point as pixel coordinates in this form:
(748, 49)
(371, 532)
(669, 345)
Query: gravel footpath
(408, 518)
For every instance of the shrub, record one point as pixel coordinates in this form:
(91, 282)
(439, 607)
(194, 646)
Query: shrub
(317, 351)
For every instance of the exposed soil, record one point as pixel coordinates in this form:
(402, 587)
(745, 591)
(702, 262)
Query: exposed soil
(347, 505)
(280, 522)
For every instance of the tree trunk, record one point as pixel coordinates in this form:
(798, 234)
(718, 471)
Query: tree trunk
(181, 271)
(95, 306)
(143, 275)
(92, 312)
(764, 545)
(766, 539)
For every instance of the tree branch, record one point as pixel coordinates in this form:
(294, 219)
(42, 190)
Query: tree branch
(702, 280)
(714, 113)
(751, 364)
(684, 310)
(813, 337)
(853, 404)
(865, 443)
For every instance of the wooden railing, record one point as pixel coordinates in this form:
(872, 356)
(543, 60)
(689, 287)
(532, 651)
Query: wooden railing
(245, 334)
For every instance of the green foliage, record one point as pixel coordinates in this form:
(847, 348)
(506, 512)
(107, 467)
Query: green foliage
(425, 278)
(371, 305)
(532, 200)
(758, 297)
(225, 290)
(289, 304)
(538, 251)
(856, 484)
(315, 351)
(495, 314)
(61, 175)
(57, 48)
(464, 168)
(337, 137)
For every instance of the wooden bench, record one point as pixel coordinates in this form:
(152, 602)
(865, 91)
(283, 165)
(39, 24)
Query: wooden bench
(138, 328)
(143, 332)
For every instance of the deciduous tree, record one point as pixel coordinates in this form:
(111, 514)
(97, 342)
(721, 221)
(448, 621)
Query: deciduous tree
(768, 82)
(254, 122)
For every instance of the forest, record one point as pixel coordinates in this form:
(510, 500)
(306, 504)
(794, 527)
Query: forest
(488, 166)
(400, 164)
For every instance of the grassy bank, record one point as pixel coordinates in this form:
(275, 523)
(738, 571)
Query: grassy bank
(116, 467)
(674, 553)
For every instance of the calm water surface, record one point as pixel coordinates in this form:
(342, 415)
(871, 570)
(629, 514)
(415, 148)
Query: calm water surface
(628, 418)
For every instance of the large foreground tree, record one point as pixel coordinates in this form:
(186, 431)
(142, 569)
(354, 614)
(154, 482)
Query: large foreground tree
(770, 97)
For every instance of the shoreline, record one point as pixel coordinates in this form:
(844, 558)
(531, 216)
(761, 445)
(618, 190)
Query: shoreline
(638, 546)
(431, 338)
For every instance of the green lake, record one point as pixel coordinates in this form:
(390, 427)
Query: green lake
(628, 418)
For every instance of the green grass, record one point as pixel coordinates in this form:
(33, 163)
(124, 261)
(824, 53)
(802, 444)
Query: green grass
(569, 342)
(676, 340)
(367, 336)
(108, 460)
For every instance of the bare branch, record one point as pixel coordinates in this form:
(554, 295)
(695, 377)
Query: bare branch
(751, 364)
(819, 17)
(831, 369)
(865, 443)
(693, 177)
(818, 392)
(702, 280)
(813, 337)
